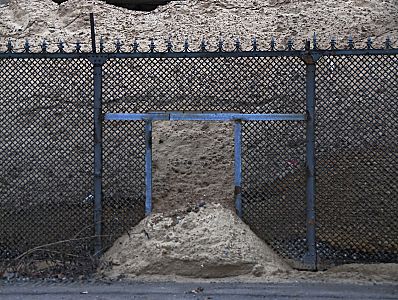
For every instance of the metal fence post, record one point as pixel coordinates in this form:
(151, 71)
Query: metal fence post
(238, 167)
(98, 157)
(97, 62)
(148, 167)
(310, 257)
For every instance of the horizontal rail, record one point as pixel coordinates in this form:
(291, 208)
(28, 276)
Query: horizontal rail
(182, 116)
(281, 53)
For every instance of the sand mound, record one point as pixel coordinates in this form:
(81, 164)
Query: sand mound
(206, 242)
(193, 19)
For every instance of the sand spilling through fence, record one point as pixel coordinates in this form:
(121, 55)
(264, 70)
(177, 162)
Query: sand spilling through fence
(205, 242)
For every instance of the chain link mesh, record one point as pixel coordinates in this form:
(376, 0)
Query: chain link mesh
(273, 152)
(46, 170)
(46, 166)
(357, 154)
(123, 178)
(273, 186)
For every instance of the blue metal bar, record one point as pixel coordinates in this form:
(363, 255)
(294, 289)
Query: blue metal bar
(234, 116)
(310, 258)
(238, 167)
(136, 117)
(181, 116)
(148, 167)
(98, 158)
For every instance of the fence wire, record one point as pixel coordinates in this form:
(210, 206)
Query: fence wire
(357, 154)
(46, 166)
(46, 138)
(273, 152)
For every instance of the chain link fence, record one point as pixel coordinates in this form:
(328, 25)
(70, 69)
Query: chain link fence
(357, 154)
(47, 197)
(46, 163)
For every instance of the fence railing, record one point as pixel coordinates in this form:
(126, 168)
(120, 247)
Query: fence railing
(53, 103)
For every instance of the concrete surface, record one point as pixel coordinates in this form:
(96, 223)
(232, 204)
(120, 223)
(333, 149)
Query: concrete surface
(230, 291)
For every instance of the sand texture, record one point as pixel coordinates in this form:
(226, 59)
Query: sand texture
(207, 242)
(193, 162)
(193, 19)
(178, 179)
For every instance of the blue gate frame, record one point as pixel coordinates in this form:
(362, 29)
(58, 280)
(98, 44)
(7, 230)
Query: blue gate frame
(237, 118)
(309, 56)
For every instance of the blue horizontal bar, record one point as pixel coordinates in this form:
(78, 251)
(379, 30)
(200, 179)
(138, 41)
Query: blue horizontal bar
(234, 117)
(136, 117)
(181, 116)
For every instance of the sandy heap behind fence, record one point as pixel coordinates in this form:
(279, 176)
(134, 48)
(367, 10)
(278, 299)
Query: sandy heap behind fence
(206, 242)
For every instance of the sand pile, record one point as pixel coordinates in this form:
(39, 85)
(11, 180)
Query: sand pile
(195, 19)
(206, 242)
(212, 242)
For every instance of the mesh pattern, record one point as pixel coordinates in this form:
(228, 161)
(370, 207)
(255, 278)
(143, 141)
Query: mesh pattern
(357, 153)
(124, 178)
(273, 178)
(243, 84)
(273, 189)
(46, 134)
(47, 159)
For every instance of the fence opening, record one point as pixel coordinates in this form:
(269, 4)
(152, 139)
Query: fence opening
(193, 164)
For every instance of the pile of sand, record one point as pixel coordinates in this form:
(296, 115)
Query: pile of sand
(206, 242)
(195, 19)
(212, 242)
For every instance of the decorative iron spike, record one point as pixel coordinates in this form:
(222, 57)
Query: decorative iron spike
(237, 45)
(10, 46)
(254, 44)
(61, 46)
(118, 45)
(290, 44)
(186, 45)
(102, 44)
(44, 46)
(388, 43)
(26, 46)
(220, 47)
(350, 42)
(369, 43)
(333, 43)
(135, 46)
(203, 45)
(152, 45)
(169, 44)
(314, 42)
(78, 47)
(273, 43)
(307, 44)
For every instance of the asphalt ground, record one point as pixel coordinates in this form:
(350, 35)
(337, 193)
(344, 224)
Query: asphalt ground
(227, 291)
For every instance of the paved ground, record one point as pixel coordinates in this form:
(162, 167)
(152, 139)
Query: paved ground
(230, 291)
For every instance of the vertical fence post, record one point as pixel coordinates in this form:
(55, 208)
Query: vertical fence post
(238, 167)
(310, 258)
(148, 167)
(98, 158)
(97, 143)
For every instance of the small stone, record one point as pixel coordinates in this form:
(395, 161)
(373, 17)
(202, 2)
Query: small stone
(258, 270)
(9, 275)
